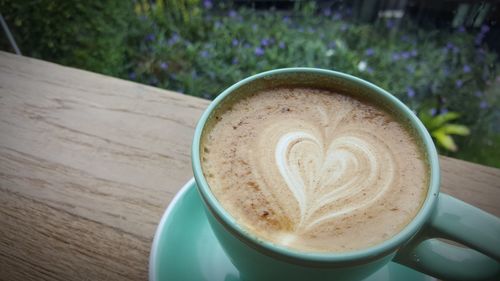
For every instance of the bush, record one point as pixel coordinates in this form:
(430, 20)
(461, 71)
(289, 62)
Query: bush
(422, 68)
(435, 71)
(194, 48)
(85, 34)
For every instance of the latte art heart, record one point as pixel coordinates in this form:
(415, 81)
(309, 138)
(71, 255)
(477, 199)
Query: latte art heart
(324, 180)
(313, 170)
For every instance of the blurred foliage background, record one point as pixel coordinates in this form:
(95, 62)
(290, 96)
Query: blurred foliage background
(435, 60)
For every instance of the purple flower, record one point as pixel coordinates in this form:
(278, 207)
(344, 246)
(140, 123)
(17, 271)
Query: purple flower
(459, 83)
(235, 61)
(163, 65)
(337, 16)
(483, 104)
(369, 70)
(233, 14)
(413, 53)
(132, 75)
(410, 68)
(485, 28)
(259, 51)
(410, 92)
(395, 56)
(204, 54)
(281, 45)
(478, 94)
(327, 12)
(207, 4)
(433, 111)
(405, 55)
(451, 47)
(174, 39)
(369, 52)
(150, 37)
(466, 69)
(390, 24)
(461, 29)
(444, 110)
(286, 19)
(265, 42)
(235, 42)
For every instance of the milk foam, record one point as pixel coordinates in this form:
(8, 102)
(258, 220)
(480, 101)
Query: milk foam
(344, 152)
(314, 170)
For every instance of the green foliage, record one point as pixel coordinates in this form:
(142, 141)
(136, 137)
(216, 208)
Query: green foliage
(438, 69)
(196, 48)
(441, 130)
(173, 16)
(483, 145)
(86, 34)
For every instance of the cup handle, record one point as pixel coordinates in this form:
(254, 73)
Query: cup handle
(460, 222)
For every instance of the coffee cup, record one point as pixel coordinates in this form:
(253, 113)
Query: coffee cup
(414, 244)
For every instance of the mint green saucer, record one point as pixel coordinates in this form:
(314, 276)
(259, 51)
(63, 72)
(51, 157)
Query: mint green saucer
(184, 247)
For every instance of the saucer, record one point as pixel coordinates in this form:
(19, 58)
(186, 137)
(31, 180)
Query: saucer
(185, 248)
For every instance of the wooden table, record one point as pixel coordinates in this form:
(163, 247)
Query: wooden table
(88, 164)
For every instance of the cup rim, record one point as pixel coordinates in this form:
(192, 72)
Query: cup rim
(274, 249)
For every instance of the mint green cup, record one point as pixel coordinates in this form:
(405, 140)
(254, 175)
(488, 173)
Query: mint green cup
(416, 246)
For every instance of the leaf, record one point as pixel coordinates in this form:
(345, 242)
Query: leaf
(425, 117)
(456, 129)
(444, 140)
(441, 119)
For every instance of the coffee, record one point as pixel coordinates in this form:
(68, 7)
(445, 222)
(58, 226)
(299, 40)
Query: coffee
(314, 170)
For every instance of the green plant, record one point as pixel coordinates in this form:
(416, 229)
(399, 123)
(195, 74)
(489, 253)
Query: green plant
(85, 34)
(173, 16)
(441, 130)
(445, 70)
(200, 48)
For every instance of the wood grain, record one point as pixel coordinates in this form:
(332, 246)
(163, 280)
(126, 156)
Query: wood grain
(88, 164)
